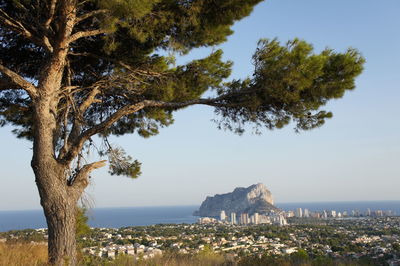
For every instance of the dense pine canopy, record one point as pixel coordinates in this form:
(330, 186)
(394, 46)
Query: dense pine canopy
(117, 60)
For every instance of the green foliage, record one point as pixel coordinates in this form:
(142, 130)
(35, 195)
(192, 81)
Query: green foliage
(82, 227)
(290, 83)
(128, 9)
(15, 110)
(122, 164)
(168, 24)
(300, 256)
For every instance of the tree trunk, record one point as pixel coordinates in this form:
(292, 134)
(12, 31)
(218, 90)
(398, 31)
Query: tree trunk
(57, 198)
(59, 207)
(61, 222)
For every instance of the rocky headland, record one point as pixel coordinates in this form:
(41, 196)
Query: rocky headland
(256, 198)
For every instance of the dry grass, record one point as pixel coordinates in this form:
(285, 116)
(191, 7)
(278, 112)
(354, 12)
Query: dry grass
(23, 254)
(174, 260)
(165, 260)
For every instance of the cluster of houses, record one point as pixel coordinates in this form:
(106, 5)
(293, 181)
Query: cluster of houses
(272, 217)
(137, 250)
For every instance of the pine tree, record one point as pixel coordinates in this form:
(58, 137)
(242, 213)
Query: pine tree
(74, 69)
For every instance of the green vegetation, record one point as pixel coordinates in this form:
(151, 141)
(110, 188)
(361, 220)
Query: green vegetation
(82, 227)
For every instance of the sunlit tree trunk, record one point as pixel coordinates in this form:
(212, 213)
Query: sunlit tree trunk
(57, 198)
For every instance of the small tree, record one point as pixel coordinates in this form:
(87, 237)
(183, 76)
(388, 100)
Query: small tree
(74, 69)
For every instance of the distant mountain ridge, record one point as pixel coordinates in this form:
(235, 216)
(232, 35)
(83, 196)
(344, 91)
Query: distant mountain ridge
(256, 198)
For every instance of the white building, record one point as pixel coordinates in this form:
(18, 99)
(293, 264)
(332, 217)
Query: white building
(299, 213)
(278, 219)
(282, 220)
(264, 219)
(222, 215)
(207, 220)
(111, 253)
(233, 218)
(256, 218)
(289, 250)
(244, 218)
(289, 214)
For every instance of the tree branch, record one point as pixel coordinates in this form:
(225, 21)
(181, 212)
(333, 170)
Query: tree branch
(19, 107)
(6, 20)
(89, 100)
(84, 34)
(78, 116)
(52, 10)
(52, 72)
(90, 14)
(80, 140)
(139, 72)
(80, 181)
(17, 26)
(66, 23)
(18, 81)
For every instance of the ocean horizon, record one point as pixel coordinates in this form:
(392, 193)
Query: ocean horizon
(115, 217)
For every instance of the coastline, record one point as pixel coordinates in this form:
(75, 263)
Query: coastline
(115, 217)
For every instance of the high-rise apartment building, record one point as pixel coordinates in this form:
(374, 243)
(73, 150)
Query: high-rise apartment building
(244, 218)
(256, 218)
(233, 218)
(299, 212)
(222, 215)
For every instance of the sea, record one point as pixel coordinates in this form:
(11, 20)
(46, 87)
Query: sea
(140, 216)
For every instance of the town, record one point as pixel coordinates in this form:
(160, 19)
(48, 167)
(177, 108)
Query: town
(375, 239)
(280, 217)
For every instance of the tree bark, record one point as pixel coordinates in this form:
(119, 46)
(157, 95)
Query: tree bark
(59, 205)
(61, 222)
(58, 200)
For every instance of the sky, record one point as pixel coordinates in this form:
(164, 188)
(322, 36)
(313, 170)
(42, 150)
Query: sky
(355, 156)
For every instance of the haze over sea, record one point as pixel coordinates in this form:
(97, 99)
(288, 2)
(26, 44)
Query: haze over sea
(135, 216)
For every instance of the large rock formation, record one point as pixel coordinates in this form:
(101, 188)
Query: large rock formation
(256, 198)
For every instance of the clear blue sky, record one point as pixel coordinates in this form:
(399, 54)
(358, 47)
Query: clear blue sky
(355, 156)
